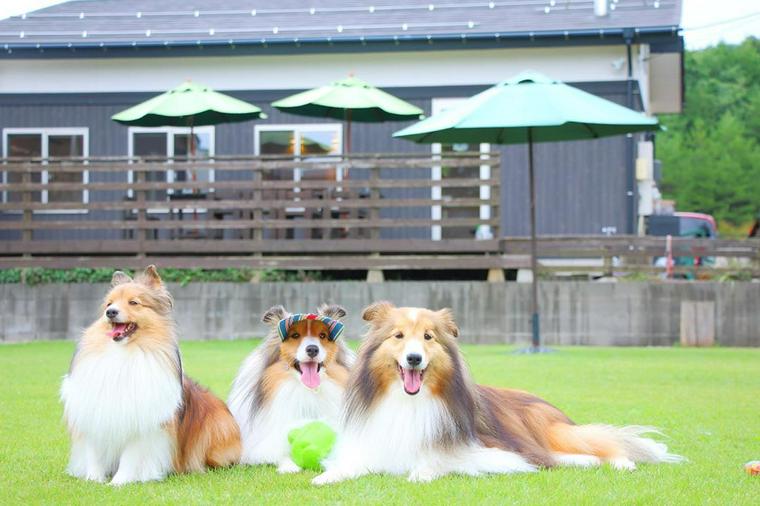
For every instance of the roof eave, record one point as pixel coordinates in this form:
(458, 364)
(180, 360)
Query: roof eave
(297, 44)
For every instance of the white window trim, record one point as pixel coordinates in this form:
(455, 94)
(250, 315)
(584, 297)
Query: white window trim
(170, 174)
(46, 132)
(438, 105)
(297, 128)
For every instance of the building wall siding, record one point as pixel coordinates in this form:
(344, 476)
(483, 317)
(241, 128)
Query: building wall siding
(580, 185)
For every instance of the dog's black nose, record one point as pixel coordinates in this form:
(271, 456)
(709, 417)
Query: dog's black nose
(111, 313)
(414, 359)
(312, 350)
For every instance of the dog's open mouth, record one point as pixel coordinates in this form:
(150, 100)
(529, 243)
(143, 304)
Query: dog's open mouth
(120, 331)
(309, 372)
(412, 379)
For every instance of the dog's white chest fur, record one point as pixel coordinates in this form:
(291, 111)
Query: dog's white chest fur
(396, 433)
(402, 434)
(293, 405)
(113, 397)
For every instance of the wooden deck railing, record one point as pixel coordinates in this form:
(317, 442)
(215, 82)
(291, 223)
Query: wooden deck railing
(367, 211)
(65, 212)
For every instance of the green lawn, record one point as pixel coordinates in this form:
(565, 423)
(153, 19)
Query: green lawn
(707, 401)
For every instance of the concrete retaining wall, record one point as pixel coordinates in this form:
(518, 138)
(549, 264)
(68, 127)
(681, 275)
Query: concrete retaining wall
(625, 314)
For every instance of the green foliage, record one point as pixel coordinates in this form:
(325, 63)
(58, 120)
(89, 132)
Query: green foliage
(41, 276)
(711, 152)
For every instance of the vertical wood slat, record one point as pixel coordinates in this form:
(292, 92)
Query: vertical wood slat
(374, 210)
(258, 214)
(142, 233)
(26, 197)
(496, 199)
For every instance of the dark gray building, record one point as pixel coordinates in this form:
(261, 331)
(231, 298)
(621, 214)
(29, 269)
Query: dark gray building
(66, 69)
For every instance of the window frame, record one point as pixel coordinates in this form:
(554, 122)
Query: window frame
(337, 128)
(45, 133)
(438, 105)
(169, 133)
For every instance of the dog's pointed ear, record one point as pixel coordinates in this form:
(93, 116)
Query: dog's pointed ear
(333, 311)
(376, 311)
(120, 277)
(274, 314)
(151, 278)
(446, 318)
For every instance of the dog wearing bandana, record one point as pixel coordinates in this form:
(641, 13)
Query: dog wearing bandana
(297, 375)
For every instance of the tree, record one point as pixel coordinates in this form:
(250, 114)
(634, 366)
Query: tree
(711, 152)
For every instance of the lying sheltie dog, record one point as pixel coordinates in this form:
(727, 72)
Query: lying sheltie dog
(131, 412)
(412, 408)
(298, 374)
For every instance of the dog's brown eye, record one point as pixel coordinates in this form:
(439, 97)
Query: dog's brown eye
(295, 335)
(322, 335)
(133, 303)
(400, 335)
(428, 337)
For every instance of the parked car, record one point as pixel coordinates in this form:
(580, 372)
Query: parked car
(683, 224)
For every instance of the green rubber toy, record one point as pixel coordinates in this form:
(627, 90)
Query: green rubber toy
(310, 444)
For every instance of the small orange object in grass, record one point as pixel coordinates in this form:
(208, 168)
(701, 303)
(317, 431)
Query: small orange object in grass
(752, 468)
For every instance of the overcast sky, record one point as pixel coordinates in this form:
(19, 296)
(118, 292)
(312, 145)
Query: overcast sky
(706, 22)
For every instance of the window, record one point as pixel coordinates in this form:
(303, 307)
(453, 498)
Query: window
(45, 143)
(443, 212)
(301, 141)
(169, 142)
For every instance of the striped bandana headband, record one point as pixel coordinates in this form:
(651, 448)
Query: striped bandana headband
(334, 327)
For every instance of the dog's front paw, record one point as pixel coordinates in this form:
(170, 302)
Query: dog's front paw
(329, 477)
(287, 466)
(422, 475)
(120, 479)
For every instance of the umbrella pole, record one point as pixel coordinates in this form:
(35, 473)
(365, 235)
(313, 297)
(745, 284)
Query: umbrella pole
(348, 132)
(535, 323)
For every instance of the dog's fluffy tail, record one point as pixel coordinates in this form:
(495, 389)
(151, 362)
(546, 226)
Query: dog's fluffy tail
(621, 446)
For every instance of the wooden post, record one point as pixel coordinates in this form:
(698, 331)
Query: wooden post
(26, 198)
(26, 231)
(374, 195)
(496, 275)
(697, 323)
(258, 213)
(142, 232)
(374, 275)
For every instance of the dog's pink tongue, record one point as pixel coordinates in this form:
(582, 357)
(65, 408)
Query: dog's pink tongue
(310, 374)
(412, 380)
(117, 329)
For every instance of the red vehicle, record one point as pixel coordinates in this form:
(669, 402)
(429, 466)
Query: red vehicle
(682, 224)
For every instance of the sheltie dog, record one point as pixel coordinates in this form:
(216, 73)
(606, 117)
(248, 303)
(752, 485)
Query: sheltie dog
(297, 375)
(412, 408)
(131, 412)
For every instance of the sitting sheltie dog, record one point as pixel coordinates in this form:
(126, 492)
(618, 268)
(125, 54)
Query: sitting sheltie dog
(132, 413)
(411, 408)
(298, 374)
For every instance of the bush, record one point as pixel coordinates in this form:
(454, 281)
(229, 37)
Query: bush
(41, 276)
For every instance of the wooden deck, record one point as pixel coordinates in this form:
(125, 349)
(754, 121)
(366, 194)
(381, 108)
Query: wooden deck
(363, 212)
(272, 212)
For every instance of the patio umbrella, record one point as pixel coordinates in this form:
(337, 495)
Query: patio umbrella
(189, 105)
(529, 108)
(349, 99)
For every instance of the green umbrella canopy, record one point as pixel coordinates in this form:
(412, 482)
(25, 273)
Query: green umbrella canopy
(351, 96)
(553, 111)
(526, 109)
(189, 104)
